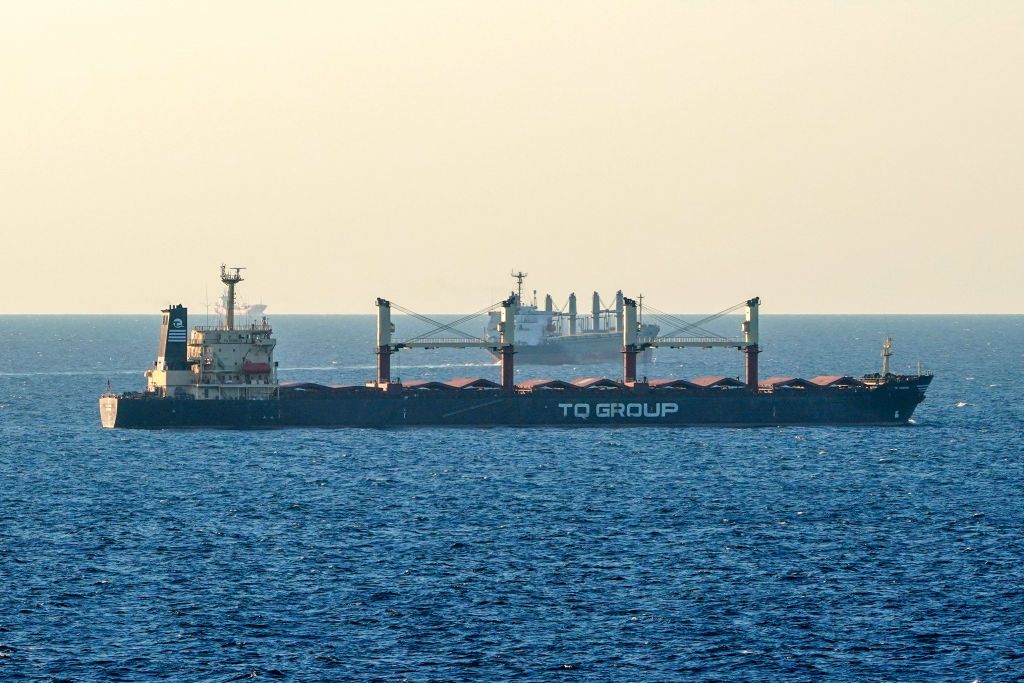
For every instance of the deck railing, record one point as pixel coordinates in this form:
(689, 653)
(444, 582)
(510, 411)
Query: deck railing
(251, 327)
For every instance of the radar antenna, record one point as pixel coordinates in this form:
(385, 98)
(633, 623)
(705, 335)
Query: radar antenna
(231, 278)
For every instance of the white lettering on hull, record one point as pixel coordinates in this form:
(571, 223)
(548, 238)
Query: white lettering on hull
(584, 411)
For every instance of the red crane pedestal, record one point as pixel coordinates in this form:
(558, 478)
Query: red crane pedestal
(751, 353)
(383, 364)
(629, 364)
(508, 382)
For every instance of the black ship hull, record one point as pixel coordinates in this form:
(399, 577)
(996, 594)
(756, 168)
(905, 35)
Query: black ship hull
(889, 403)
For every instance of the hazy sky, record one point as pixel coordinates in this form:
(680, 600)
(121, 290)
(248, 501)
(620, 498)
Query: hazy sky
(828, 156)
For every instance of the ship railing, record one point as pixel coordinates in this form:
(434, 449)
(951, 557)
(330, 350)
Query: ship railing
(447, 341)
(694, 341)
(251, 327)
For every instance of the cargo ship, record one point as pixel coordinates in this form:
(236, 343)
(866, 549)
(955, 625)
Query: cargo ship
(241, 310)
(549, 336)
(225, 376)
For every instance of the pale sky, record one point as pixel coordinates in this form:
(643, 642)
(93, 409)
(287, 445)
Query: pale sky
(830, 157)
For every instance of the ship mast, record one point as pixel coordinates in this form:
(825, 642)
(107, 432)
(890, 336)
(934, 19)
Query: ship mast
(520, 276)
(886, 354)
(230, 279)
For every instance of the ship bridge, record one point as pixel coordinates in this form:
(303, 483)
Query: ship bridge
(224, 361)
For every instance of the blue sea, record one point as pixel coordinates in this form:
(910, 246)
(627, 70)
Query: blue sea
(514, 554)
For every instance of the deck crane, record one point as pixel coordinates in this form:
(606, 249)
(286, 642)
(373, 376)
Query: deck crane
(677, 339)
(505, 345)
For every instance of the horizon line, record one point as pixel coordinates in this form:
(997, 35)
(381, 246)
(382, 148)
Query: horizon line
(762, 313)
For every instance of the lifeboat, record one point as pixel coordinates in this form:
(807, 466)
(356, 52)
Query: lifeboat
(250, 368)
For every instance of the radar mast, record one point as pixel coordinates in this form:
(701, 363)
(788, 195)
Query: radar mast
(519, 277)
(886, 354)
(230, 279)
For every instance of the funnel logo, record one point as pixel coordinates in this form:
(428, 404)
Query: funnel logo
(176, 334)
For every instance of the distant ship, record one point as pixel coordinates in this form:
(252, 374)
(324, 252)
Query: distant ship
(240, 309)
(549, 337)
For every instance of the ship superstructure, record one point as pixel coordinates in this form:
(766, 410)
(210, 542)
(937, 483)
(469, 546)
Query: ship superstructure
(219, 362)
(549, 336)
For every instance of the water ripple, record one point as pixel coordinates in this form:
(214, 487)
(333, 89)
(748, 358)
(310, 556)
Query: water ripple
(794, 554)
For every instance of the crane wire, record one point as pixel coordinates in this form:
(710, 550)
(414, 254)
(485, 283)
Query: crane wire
(440, 326)
(684, 326)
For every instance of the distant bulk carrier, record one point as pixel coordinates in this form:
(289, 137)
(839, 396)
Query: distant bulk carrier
(546, 336)
(225, 376)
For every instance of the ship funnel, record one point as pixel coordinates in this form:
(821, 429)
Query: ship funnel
(172, 353)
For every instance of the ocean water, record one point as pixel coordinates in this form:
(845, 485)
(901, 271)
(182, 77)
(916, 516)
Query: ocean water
(514, 554)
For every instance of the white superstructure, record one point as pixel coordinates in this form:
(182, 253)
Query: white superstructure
(546, 335)
(224, 361)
